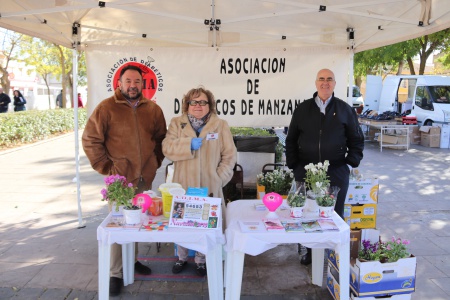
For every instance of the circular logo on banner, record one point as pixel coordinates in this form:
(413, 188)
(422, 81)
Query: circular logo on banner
(150, 83)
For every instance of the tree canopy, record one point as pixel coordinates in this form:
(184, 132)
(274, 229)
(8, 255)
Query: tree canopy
(392, 58)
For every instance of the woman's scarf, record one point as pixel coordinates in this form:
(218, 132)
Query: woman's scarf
(198, 124)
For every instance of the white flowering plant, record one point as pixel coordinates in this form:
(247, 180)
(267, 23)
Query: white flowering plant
(278, 181)
(316, 178)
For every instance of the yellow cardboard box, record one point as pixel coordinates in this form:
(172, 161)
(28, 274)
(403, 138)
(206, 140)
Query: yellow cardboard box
(362, 191)
(360, 216)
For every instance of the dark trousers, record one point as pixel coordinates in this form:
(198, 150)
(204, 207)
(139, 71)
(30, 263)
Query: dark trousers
(340, 177)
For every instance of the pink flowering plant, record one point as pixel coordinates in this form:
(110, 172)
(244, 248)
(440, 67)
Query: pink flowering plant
(390, 251)
(119, 191)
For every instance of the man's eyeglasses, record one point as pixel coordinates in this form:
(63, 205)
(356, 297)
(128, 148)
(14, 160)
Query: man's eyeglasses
(329, 79)
(194, 103)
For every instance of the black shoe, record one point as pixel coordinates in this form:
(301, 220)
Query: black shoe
(178, 266)
(115, 286)
(141, 269)
(201, 270)
(306, 259)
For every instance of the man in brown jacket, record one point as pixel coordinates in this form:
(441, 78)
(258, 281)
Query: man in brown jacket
(124, 136)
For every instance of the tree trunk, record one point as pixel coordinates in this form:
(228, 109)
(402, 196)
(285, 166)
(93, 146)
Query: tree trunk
(62, 62)
(400, 67)
(411, 66)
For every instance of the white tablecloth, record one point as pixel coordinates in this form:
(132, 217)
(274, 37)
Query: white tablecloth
(254, 243)
(207, 241)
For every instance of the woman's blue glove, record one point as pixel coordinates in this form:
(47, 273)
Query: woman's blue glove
(196, 143)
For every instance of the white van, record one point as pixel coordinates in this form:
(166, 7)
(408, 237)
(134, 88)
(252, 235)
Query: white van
(357, 99)
(427, 97)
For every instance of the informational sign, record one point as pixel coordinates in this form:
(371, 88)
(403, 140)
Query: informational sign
(195, 212)
(252, 87)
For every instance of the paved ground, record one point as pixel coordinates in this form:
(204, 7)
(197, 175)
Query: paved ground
(43, 254)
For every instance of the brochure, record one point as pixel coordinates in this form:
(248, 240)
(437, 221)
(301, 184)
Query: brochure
(196, 212)
(153, 225)
(115, 223)
(252, 226)
(293, 226)
(311, 226)
(273, 225)
(327, 224)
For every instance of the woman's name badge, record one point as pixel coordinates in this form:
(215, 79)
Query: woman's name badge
(212, 136)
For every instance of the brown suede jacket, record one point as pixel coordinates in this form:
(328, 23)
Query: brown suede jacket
(120, 139)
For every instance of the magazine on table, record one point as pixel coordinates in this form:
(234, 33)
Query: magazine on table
(156, 225)
(115, 223)
(327, 224)
(252, 226)
(293, 226)
(273, 225)
(311, 226)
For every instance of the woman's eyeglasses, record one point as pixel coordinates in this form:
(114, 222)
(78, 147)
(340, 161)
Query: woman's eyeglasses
(194, 103)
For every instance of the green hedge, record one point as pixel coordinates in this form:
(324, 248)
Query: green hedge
(34, 125)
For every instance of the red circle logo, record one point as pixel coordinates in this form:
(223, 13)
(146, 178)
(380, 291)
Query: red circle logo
(150, 83)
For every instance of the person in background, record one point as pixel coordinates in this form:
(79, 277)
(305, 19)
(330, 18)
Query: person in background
(4, 101)
(19, 101)
(59, 100)
(325, 128)
(202, 149)
(80, 101)
(124, 136)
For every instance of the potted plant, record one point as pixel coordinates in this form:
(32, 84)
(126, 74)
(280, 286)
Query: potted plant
(321, 198)
(326, 201)
(119, 193)
(278, 181)
(384, 252)
(297, 198)
(376, 258)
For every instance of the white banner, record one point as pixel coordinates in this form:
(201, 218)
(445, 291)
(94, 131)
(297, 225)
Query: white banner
(252, 87)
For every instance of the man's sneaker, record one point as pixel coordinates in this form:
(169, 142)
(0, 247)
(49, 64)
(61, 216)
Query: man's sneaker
(141, 269)
(178, 266)
(201, 270)
(115, 286)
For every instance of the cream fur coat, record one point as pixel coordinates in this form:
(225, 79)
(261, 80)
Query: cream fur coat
(210, 166)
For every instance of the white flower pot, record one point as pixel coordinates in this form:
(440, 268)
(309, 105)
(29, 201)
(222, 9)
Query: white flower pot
(311, 206)
(297, 212)
(326, 211)
(132, 216)
(118, 212)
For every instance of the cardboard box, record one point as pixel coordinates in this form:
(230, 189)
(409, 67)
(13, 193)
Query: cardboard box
(430, 129)
(414, 135)
(333, 282)
(355, 242)
(360, 216)
(372, 278)
(445, 136)
(393, 297)
(430, 140)
(362, 191)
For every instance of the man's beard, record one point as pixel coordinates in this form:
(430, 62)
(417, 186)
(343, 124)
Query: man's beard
(127, 95)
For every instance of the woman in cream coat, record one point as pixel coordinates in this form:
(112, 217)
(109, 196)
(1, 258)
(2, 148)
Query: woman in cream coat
(201, 146)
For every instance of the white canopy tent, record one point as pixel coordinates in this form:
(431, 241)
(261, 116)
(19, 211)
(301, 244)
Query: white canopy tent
(224, 23)
(194, 39)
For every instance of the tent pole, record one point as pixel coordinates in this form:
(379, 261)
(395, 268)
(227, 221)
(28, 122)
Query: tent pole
(350, 77)
(81, 223)
(214, 39)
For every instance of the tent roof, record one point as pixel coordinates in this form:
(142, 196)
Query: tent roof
(243, 23)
